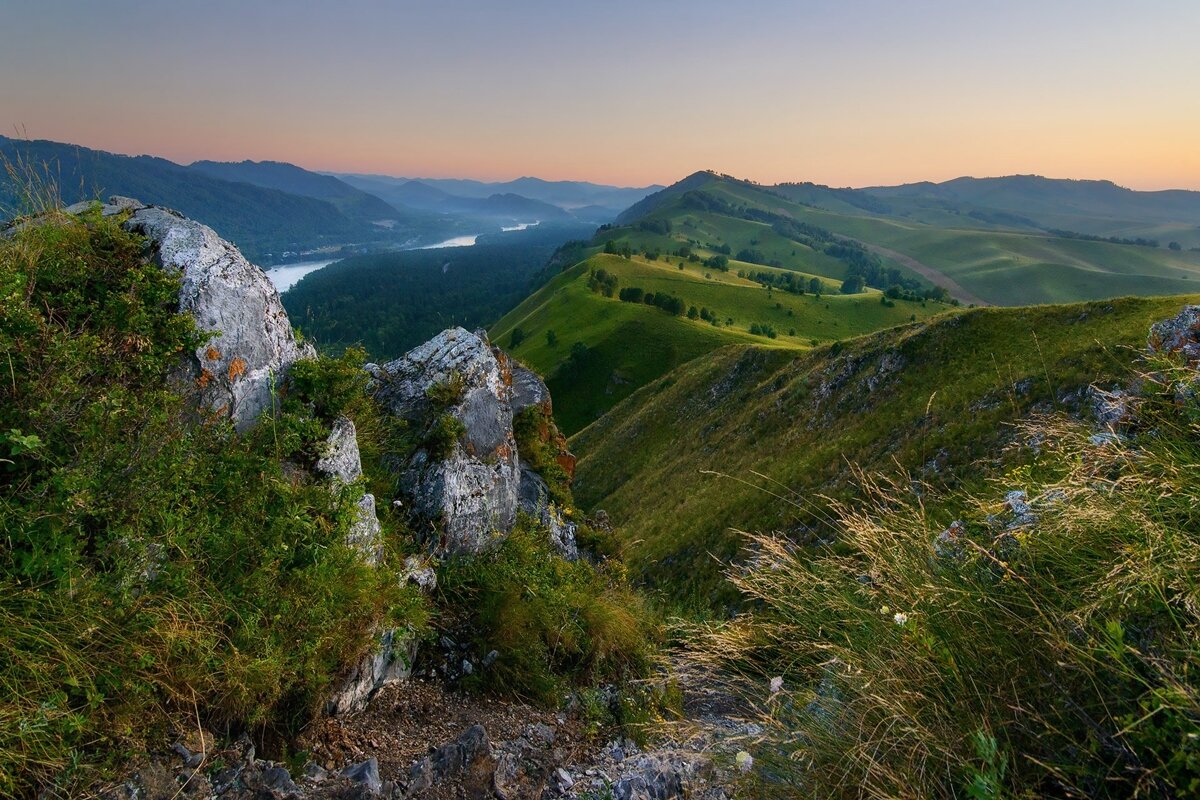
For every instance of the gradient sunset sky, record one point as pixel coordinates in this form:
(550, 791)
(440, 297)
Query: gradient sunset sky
(857, 92)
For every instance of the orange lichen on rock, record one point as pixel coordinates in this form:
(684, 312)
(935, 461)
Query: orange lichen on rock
(237, 368)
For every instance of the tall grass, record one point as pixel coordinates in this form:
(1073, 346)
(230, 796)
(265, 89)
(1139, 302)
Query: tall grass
(1050, 651)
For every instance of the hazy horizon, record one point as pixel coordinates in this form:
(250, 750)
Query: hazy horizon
(854, 94)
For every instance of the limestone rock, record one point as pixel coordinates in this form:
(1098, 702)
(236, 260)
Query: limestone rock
(237, 373)
(342, 464)
(470, 491)
(1180, 334)
(528, 389)
(389, 661)
(534, 500)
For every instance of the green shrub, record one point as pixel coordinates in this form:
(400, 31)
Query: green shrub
(447, 393)
(536, 433)
(443, 435)
(153, 566)
(328, 387)
(554, 623)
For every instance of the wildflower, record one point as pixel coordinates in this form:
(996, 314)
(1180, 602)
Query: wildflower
(744, 761)
(900, 618)
(776, 684)
(884, 610)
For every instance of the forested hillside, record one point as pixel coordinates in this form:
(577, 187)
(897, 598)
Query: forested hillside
(390, 302)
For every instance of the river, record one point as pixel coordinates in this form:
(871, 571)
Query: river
(288, 275)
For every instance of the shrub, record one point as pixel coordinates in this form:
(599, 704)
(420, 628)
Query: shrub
(554, 623)
(447, 393)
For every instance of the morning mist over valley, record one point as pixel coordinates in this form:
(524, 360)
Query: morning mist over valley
(624, 401)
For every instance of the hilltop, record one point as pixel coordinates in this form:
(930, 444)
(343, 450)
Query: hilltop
(596, 346)
(965, 236)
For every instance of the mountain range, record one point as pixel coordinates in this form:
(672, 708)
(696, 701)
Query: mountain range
(277, 211)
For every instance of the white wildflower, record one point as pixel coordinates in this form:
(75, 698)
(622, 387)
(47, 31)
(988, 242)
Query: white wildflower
(776, 684)
(900, 618)
(744, 761)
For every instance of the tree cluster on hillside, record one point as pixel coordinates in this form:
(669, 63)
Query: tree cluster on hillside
(667, 302)
(1088, 237)
(602, 282)
(391, 302)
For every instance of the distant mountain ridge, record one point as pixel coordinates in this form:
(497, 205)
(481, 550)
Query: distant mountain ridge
(259, 219)
(1031, 194)
(570, 196)
(289, 178)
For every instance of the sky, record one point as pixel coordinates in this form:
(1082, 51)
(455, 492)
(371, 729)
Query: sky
(849, 93)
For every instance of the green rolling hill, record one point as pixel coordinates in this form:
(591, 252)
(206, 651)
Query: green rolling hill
(977, 247)
(758, 438)
(606, 348)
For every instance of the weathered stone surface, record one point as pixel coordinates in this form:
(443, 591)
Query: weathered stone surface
(471, 492)
(534, 500)
(1179, 334)
(389, 661)
(528, 389)
(237, 373)
(341, 463)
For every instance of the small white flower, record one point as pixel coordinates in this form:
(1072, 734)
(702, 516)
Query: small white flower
(744, 761)
(776, 685)
(900, 618)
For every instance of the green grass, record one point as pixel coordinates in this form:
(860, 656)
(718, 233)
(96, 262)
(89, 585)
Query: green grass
(933, 398)
(631, 344)
(1053, 655)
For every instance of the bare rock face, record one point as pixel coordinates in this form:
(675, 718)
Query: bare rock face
(389, 661)
(237, 373)
(467, 488)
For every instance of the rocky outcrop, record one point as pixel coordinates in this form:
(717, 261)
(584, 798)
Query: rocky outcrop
(1180, 334)
(390, 660)
(341, 463)
(237, 373)
(455, 382)
(534, 499)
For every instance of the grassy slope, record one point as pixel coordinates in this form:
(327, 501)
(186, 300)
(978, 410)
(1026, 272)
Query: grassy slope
(801, 418)
(633, 344)
(1010, 268)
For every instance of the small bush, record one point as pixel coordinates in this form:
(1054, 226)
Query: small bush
(554, 623)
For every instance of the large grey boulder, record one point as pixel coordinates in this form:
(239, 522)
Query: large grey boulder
(468, 492)
(237, 373)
